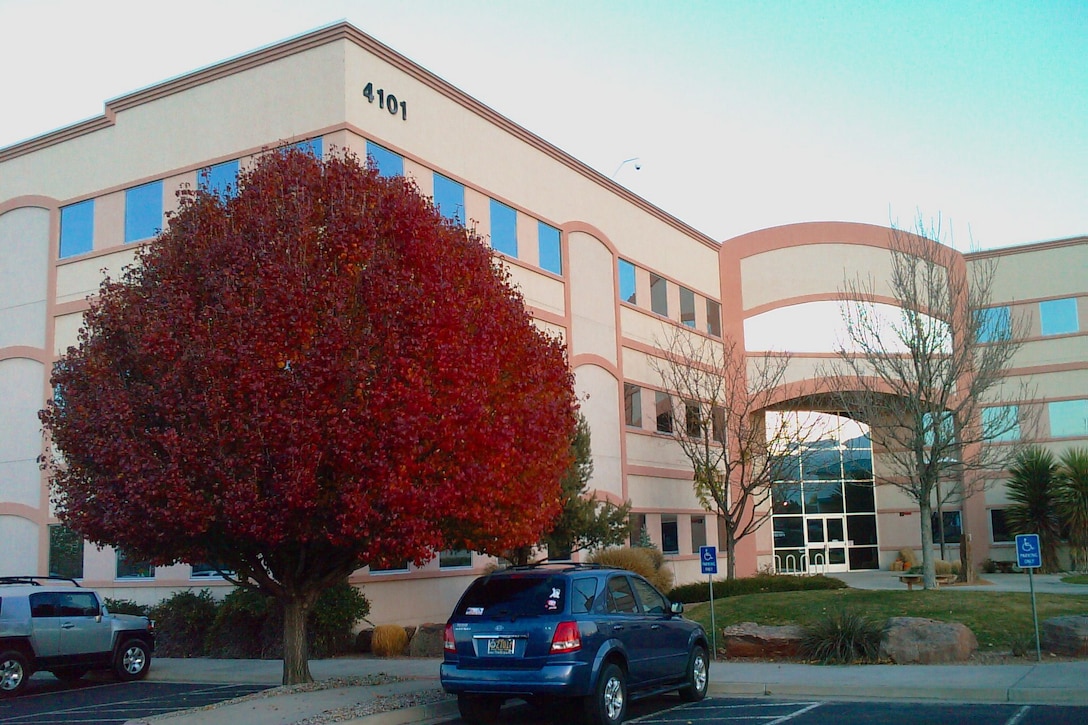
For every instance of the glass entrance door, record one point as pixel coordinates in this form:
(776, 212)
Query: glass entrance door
(825, 543)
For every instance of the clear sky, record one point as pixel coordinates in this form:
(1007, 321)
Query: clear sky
(743, 115)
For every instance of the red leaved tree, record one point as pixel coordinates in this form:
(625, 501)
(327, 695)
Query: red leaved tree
(316, 374)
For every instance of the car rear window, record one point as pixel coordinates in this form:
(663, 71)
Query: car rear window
(513, 595)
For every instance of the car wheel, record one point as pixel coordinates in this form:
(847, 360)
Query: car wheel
(479, 708)
(14, 673)
(70, 674)
(132, 660)
(698, 676)
(608, 703)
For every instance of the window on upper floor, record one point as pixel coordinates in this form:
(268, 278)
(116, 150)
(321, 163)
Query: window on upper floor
(76, 228)
(143, 211)
(627, 281)
(312, 146)
(693, 419)
(1058, 317)
(395, 567)
(717, 423)
(714, 318)
(385, 161)
(221, 179)
(663, 406)
(687, 307)
(549, 248)
(698, 533)
(632, 405)
(1068, 418)
(659, 295)
(65, 552)
(449, 198)
(1001, 423)
(504, 229)
(994, 324)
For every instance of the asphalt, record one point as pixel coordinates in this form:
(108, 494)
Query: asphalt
(1027, 683)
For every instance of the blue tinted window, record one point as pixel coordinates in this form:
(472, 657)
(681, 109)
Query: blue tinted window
(504, 229)
(387, 162)
(221, 179)
(627, 281)
(1058, 317)
(659, 295)
(1069, 418)
(714, 318)
(993, 324)
(312, 146)
(449, 198)
(143, 211)
(77, 228)
(551, 253)
(1001, 423)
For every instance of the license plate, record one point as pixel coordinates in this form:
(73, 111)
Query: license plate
(500, 646)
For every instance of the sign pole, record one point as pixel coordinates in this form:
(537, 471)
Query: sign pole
(714, 627)
(1035, 616)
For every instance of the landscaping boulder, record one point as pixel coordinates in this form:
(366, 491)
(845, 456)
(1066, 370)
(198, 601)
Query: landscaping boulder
(427, 641)
(920, 641)
(1066, 635)
(749, 639)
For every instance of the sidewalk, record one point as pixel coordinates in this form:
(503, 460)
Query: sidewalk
(1047, 683)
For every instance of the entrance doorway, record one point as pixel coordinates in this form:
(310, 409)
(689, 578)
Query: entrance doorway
(824, 507)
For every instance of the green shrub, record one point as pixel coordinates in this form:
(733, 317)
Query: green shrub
(842, 638)
(1022, 643)
(249, 624)
(759, 584)
(332, 621)
(125, 606)
(182, 621)
(644, 560)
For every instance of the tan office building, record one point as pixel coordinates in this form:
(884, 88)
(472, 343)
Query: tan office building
(608, 271)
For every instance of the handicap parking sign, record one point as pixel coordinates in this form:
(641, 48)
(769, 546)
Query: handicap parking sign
(708, 559)
(1028, 555)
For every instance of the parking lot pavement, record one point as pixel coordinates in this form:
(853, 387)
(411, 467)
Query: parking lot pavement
(112, 703)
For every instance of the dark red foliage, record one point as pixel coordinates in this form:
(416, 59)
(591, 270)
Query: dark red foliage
(319, 371)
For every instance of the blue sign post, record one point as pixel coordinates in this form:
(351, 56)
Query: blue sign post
(708, 563)
(1029, 556)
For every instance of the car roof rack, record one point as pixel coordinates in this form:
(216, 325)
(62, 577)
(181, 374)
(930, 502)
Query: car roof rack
(562, 565)
(35, 580)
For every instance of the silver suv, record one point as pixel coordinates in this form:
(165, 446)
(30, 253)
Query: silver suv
(66, 629)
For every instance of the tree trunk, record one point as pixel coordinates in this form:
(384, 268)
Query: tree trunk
(730, 550)
(929, 569)
(296, 653)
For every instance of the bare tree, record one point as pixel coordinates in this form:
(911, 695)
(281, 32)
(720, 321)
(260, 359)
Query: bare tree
(927, 376)
(723, 429)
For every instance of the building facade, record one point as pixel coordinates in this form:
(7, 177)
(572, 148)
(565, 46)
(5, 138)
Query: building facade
(597, 265)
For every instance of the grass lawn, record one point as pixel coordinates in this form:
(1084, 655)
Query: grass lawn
(996, 618)
(1076, 579)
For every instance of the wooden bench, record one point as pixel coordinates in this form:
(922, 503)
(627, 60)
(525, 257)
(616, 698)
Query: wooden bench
(911, 579)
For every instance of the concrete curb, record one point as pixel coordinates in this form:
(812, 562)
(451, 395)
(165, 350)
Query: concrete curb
(435, 711)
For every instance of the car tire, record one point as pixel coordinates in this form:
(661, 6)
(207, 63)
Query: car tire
(607, 705)
(14, 673)
(132, 661)
(698, 675)
(479, 709)
(70, 674)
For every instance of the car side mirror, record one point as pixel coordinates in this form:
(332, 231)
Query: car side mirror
(676, 607)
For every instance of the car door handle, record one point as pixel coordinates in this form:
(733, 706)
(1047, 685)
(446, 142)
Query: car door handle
(67, 625)
(655, 626)
(617, 627)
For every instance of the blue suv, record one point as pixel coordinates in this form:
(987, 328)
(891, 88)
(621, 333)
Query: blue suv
(591, 636)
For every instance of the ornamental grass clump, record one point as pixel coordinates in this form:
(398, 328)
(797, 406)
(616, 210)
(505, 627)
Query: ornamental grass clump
(842, 637)
(389, 640)
(645, 560)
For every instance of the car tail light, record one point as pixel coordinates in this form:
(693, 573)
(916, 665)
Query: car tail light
(447, 639)
(566, 638)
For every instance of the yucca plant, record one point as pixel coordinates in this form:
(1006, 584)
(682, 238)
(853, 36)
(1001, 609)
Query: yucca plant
(1072, 499)
(1032, 489)
(842, 637)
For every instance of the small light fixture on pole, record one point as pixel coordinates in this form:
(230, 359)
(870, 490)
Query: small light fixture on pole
(633, 159)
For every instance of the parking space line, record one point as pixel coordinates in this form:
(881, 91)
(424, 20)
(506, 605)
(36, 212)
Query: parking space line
(1019, 715)
(802, 711)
